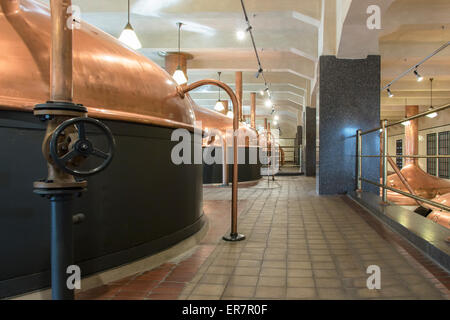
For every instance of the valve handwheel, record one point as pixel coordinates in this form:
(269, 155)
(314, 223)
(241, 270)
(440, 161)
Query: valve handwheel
(82, 147)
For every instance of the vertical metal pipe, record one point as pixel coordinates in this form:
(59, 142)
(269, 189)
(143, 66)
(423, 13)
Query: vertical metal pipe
(61, 84)
(384, 159)
(239, 93)
(359, 161)
(253, 110)
(61, 245)
(225, 178)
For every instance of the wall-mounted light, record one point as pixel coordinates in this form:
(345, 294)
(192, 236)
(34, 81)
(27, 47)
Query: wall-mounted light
(179, 75)
(128, 36)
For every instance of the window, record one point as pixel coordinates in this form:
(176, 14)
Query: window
(444, 148)
(399, 152)
(431, 151)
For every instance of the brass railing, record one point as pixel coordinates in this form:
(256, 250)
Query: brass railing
(384, 159)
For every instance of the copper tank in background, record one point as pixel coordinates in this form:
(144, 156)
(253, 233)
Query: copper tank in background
(422, 184)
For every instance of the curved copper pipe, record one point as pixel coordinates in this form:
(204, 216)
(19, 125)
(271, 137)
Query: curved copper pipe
(234, 195)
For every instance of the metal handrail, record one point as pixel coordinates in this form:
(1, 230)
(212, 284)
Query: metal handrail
(424, 200)
(419, 115)
(407, 156)
(384, 157)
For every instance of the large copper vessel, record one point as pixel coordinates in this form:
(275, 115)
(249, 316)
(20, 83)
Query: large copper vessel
(113, 81)
(423, 185)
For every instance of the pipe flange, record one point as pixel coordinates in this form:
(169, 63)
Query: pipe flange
(59, 108)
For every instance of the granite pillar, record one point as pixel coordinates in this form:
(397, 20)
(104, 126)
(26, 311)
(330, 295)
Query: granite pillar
(309, 142)
(349, 100)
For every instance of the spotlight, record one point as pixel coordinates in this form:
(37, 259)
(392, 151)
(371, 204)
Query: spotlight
(390, 94)
(268, 103)
(418, 76)
(230, 114)
(261, 92)
(276, 118)
(432, 115)
(275, 123)
(258, 73)
(240, 35)
(406, 123)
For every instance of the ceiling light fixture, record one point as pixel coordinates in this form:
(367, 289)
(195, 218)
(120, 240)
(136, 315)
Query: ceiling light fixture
(390, 94)
(240, 35)
(179, 75)
(418, 76)
(219, 105)
(434, 114)
(128, 36)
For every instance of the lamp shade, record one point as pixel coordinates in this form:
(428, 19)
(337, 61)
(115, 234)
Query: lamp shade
(219, 106)
(129, 37)
(179, 77)
(432, 115)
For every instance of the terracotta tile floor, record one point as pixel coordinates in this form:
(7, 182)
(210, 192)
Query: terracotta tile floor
(299, 246)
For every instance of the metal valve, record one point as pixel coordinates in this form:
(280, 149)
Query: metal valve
(69, 145)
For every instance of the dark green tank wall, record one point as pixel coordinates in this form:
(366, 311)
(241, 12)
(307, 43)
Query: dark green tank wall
(212, 173)
(141, 204)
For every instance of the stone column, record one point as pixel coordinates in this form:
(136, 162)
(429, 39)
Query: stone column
(309, 142)
(349, 99)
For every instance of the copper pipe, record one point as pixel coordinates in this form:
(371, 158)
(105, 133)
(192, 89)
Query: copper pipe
(61, 82)
(265, 124)
(253, 110)
(402, 178)
(239, 92)
(225, 177)
(234, 195)
(412, 135)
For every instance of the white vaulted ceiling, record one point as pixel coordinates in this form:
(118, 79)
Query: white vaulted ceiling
(286, 34)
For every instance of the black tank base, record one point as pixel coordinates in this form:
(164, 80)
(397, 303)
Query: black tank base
(232, 237)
